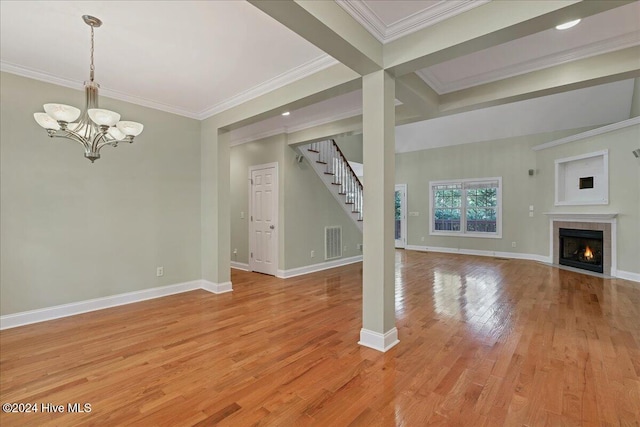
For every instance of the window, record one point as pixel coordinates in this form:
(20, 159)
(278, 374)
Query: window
(469, 207)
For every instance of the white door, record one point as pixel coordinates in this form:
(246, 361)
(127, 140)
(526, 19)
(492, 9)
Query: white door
(401, 215)
(263, 219)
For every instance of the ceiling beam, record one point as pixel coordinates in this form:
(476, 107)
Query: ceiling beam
(330, 28)
(417, 95)
(609, 67)
(485, 26)
(328, 83)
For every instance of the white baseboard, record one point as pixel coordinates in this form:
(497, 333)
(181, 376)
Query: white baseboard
(628, 275)
(285, 274)
(216, 288)
(511, 255)
(240, 266)
(50, 313)
(378, 341)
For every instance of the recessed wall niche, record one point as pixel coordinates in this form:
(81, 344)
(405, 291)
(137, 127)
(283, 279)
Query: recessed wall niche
(583, 179)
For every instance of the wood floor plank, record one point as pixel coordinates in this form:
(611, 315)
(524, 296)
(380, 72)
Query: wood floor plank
(483, 342)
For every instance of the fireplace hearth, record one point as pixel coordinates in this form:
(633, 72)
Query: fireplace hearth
(581, 249)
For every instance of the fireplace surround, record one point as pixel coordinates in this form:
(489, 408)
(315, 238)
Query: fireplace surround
(604, 222)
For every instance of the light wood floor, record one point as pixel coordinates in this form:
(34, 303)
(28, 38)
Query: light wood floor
(483, 342)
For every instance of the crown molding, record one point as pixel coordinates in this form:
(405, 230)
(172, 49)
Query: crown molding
(593, 132)
(295, 74)
(108, 93)
(598, 48)
(300, 72)
(442, 10)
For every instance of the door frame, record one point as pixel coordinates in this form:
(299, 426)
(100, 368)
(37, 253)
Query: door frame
(402, 243)
(276, 235)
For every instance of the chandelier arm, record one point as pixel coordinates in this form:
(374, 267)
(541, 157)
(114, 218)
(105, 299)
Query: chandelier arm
(113, 143)
(99, 141)
(72, 136)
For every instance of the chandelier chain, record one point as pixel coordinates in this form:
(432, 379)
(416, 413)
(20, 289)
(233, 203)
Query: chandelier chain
(92, 68)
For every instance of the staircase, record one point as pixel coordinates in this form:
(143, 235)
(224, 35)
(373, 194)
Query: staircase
(333, 168)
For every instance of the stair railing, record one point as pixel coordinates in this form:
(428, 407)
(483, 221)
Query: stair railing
(336, 164)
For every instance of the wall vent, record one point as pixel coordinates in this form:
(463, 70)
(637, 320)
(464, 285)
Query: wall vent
(332, 242)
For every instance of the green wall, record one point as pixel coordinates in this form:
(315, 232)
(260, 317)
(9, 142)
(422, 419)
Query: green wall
(306, 206)
(511, 159)
(351, 147)
(72, 230)
(624, 190)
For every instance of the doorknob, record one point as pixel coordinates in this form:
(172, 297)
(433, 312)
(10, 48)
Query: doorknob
(272, 227)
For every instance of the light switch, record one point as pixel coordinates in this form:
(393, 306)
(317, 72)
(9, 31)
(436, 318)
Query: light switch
(530, 207)
(241, 215)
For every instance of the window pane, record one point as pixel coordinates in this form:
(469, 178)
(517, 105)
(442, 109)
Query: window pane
(484, 197)
(447, 220)
(481, 220)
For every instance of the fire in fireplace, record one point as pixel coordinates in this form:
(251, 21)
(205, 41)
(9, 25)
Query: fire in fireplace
(581, 249)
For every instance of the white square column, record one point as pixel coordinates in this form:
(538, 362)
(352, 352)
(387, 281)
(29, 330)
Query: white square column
(378, 279)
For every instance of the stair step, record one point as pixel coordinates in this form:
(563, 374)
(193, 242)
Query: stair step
(336, 183)
(359, 219)
(328, 173)
(322, 163)
(355, 211)
(313, 151)
(348, 203)
(342, 194)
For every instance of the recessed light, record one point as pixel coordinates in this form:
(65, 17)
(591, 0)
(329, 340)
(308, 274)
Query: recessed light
(286, 113)
(567, 25)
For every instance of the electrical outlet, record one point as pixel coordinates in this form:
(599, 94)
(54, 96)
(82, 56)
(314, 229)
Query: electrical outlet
(160, 271)
(241, 215)
(531, 207)
(513, 244)
(422, 239)
(235, 252)
(313, 253)
(531, 214)
(344, 249)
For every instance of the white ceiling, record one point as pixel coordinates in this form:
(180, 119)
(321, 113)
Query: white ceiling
(194, 58)
(197, 58)
(608, 31)
(593, 106)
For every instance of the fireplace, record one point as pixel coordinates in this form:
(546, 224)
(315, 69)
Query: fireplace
(582, 221)
(581, 249)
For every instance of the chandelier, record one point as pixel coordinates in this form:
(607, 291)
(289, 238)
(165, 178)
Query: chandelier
(96, 127)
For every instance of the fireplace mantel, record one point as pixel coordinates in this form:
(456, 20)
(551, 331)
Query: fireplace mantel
(580, 216)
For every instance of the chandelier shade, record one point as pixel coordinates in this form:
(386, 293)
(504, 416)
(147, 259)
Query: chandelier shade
(95, 127)
(61, 112)
(46, 121)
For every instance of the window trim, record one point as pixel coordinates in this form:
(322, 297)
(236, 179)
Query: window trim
(463, 221)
